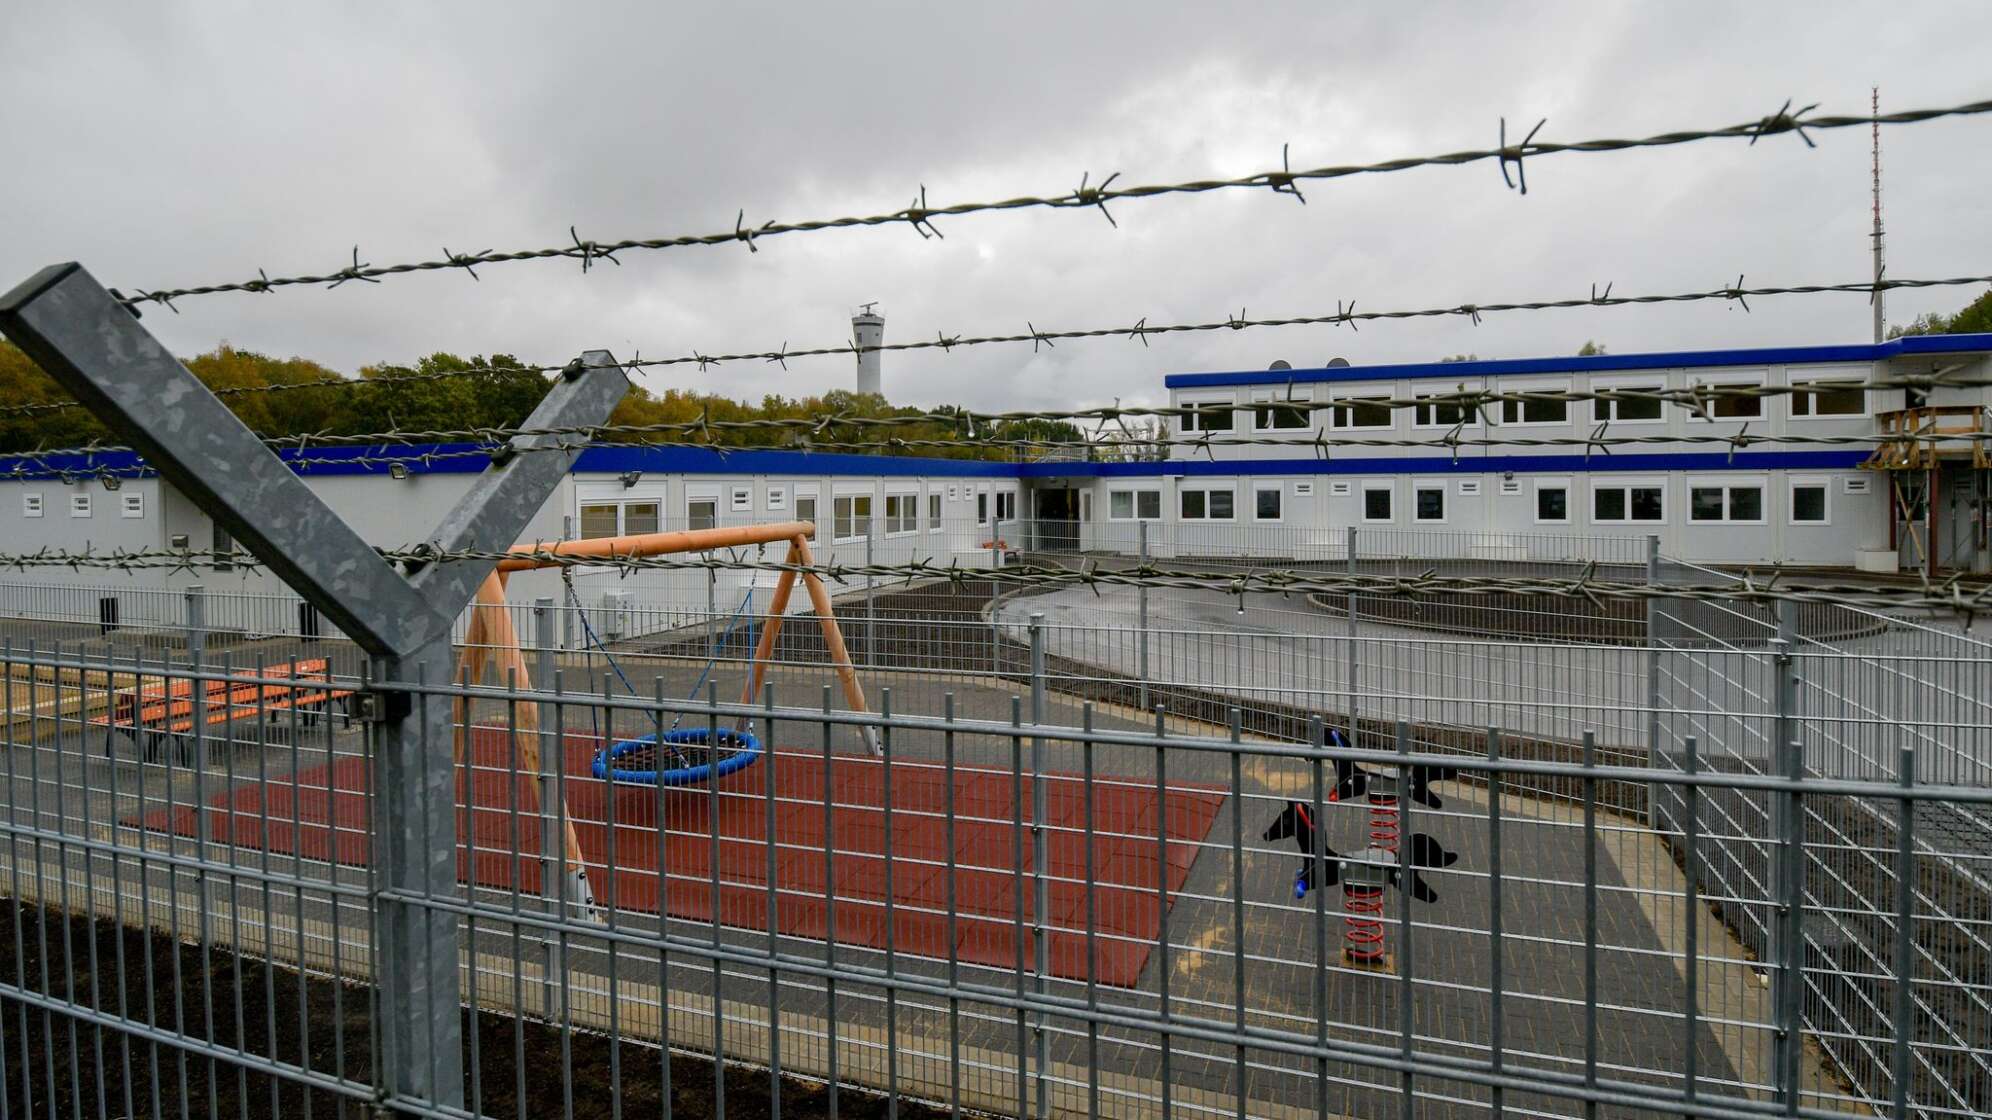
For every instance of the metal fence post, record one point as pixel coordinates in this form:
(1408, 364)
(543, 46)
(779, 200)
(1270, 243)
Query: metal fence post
(1041, 886)
(995, 630)
(1141, 616)
(1787, 823)
(92, 345)
(546, 633)
(1349, 646)
(871, 604)
(1652, 679)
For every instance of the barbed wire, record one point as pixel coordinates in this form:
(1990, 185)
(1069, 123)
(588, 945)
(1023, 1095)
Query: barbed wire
(491, 443)
(920, 214)
(1344, 315)
(1956, 594)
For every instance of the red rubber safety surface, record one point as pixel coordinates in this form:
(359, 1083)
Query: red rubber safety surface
(322, 816)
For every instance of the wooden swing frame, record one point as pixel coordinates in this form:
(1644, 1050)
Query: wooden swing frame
(491, 643)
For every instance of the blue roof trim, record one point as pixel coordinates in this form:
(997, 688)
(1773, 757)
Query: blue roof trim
(615, 459)
(1603, 363)
(697, 460)
(1436, 464)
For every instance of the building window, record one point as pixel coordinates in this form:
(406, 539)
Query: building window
(1742, 502)
(902, 513)
(1266, 505)
(934, 510)
(852, 516)
(1552, 503)
(1006, 505)
(1828, 398)
(1428, 501)
(1362, 412)
(31, 505)
(642, 517)
(1628, 503)
(1134, 505)
(1442, 410)
(1207, 504)
(1627, 411)
(1376, 501)
(982, 509)
(1280, 411)
(743, 499)
(222, 548)
(1729, 406)
(1808, 501)
(1534, 411)
(702, 512)
(805, 507)
(79, 505)
(598, 519)
(1207, 416)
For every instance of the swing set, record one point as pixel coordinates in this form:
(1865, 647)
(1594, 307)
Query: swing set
(679, 756)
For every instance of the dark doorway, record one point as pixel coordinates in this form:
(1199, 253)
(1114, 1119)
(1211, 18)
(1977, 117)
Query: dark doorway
(1057, 528)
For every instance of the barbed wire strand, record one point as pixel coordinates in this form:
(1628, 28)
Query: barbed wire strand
(1956, 594)
(1344, 315)
(920, 214)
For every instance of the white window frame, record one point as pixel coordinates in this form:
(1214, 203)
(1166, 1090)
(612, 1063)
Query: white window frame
(131, 504)
(1135, 494)
(1518, 406)
(934, 508)
(1340, 402)
(1278, 490)
(31, 504)
(1569, 489)
(1605, 411)
(1192, 421)
(1803, 401)
(1004, 498)
(1207, 489)
(79, 504)
(901, 512)
(703, 492)
(1267, 402)
(1421, 485)
(1727, 485)
(852, 494)
(814, 496)
(1389, 487)
(777, 498)
(1825, 486)
(1628, 485)
(1734, 381)
(1471, 417)
(741, 500)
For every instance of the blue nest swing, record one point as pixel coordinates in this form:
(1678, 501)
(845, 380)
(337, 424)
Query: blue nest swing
(639, 761)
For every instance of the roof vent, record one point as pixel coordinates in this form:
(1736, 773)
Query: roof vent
(1337, 363)
(1280, 363)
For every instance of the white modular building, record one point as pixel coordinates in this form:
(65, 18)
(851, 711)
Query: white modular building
(1249, 476)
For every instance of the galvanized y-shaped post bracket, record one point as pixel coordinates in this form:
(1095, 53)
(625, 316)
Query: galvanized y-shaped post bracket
(90, 343)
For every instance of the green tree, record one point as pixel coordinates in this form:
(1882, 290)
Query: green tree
(1460, 358)
(1974, 318)
(1590, 349)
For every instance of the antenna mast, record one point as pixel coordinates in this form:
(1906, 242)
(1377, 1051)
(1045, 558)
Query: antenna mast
(1880, 317)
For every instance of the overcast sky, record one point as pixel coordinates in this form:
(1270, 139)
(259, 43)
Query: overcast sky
(176, 144)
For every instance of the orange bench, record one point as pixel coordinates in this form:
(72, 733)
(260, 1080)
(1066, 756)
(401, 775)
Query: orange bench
(167, 708)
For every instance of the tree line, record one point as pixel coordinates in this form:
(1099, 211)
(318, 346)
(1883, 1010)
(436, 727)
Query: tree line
(375, 401)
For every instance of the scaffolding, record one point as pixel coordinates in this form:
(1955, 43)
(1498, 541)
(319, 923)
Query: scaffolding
(1917, 445)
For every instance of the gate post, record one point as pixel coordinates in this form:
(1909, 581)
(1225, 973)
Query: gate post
(1141, 616)
(1652, 680)
(1349, 650)
(1787, 831)
(1041, 886)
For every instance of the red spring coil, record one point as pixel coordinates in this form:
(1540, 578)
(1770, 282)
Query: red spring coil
(1365, 904)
